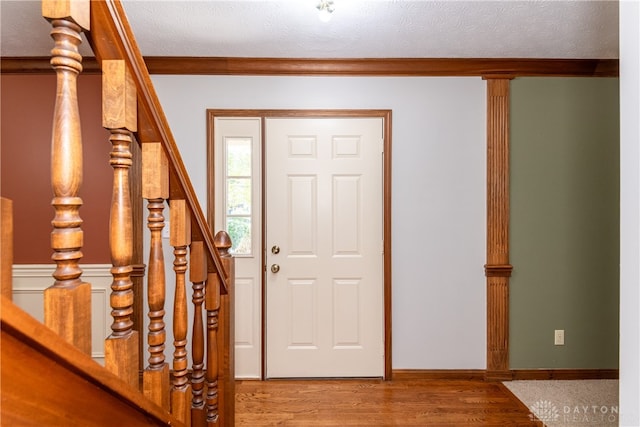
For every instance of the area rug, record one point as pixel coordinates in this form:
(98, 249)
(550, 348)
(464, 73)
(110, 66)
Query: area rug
(570, 403)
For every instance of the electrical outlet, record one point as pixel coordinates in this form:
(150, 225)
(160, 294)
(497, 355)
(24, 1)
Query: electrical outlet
(558, 337)
(166, 231)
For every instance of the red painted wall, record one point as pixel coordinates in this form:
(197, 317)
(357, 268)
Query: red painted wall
(26, 112)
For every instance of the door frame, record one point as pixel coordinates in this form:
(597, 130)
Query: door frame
(386, 198)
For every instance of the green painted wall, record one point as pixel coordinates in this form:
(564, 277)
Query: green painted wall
(564, 230)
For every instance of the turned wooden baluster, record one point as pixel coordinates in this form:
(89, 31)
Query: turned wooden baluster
(197, 275)
(119, 116)
(155, 188)
(180, 220)
(212, 305)
(67, 303)
(222, 343)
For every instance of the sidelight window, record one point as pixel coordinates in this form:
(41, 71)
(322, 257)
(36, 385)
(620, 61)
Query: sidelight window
(238, 197)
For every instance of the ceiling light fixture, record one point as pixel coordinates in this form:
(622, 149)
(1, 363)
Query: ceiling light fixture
(325, 9)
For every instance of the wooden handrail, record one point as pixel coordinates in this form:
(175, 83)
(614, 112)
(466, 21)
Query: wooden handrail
(111, 37)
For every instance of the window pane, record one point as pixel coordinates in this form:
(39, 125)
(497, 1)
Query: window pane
(239, 229)
(238, 156)
(239, 196)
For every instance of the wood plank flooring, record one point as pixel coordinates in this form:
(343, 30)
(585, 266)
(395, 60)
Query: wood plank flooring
(378, 403)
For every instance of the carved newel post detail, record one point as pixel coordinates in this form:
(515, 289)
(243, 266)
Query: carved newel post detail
(498, 269)
(67, 303)
(119, 116)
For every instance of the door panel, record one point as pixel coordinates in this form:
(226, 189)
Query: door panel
(324, 211)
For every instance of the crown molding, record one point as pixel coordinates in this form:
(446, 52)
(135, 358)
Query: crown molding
(407, 67)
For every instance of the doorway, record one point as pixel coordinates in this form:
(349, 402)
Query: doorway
(306, 198)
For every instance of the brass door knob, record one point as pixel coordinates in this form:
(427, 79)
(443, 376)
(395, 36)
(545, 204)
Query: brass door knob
(275, 268)
(275, 250)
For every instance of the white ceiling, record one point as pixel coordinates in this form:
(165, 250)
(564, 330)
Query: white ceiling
(358, 29)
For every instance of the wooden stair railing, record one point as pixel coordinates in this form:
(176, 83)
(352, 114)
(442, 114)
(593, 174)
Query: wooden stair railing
(132, 114)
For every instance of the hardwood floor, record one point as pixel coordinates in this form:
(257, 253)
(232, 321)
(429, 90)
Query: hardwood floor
(378, 403)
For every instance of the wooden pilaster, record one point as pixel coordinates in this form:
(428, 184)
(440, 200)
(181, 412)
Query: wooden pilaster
(497, 268)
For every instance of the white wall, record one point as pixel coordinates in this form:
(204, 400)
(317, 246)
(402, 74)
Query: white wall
(438, 203)
(630, 213)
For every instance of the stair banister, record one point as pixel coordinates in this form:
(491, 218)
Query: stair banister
(132, 115)
(111, 38)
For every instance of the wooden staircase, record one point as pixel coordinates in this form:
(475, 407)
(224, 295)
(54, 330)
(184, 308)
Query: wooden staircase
(47, 375)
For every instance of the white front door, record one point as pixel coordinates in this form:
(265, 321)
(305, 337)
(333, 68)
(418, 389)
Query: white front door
(324, 247)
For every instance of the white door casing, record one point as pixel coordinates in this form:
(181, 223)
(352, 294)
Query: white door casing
(324, 210)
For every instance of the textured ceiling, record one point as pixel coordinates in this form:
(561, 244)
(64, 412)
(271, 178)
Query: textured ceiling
(358, 29)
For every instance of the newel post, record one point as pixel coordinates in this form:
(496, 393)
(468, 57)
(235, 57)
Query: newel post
(226, 336)
(67, 303)
(497, 268)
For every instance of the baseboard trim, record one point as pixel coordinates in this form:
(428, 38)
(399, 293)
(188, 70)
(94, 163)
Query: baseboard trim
(565, 374)
(515, 374)
(438, 374)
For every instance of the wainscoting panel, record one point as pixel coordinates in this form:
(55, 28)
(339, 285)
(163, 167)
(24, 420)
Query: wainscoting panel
(30, 281)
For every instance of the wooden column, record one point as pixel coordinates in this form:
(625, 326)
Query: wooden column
(155, 188)
(497, 268)
(119, 116)
(198, 276)
(6, 248)
(180, 238)
(67, 303)
(226, 336)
